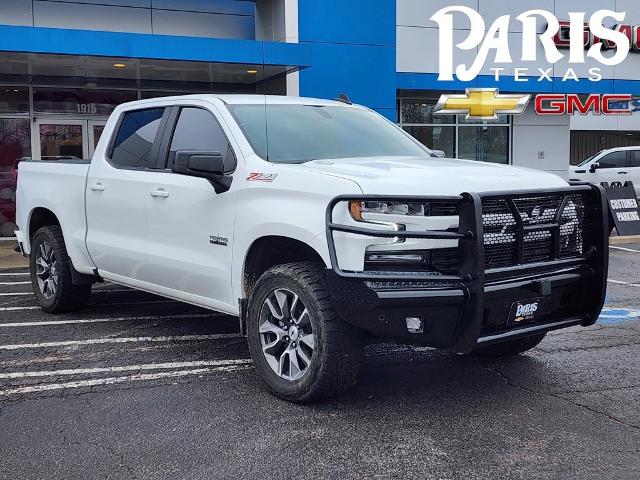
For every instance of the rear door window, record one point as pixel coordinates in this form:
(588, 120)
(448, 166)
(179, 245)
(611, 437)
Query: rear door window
(635, 158)
(614, 160)
(136, 136)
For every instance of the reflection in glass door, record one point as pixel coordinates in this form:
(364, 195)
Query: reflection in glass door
(57, 139)
(60, 139)
(96, 127)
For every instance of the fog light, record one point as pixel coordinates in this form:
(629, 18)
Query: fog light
(395, 258)
(414, 325)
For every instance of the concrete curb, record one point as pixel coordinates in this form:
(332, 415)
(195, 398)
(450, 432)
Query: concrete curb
(9, 258)
(624, 240)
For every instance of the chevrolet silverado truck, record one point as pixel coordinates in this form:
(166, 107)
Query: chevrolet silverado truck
(322, 226)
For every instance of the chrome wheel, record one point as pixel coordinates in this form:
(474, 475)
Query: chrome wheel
(286, 334)
(47, 271)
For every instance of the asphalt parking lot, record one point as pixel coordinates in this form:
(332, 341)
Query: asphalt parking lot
(135, 386)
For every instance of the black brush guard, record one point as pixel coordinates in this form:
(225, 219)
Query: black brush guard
(473, 282)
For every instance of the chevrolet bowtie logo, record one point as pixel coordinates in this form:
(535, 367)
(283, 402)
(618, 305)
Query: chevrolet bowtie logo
(482, 104)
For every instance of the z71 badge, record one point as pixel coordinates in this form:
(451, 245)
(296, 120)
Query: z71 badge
(261, 177)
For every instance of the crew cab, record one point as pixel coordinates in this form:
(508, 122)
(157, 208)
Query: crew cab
(321, 225)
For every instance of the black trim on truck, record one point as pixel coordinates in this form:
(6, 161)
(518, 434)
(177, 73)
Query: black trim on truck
(547, 246)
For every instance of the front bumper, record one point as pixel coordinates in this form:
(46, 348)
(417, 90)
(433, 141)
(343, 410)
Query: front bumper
(461, 312)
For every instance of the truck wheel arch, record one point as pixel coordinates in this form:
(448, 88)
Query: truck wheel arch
(41, 217)
(268, 251)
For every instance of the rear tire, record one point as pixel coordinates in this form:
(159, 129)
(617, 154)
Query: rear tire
(509, 349)
(301, 349)
(50, 268)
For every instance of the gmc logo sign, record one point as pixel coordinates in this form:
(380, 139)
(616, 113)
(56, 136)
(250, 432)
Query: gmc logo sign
(561, 104)
(562, 38)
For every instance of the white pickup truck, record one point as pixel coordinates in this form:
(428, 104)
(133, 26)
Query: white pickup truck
(320, 225)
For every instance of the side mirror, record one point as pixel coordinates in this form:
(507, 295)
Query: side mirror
(209, 165)
(439, 153)
(594, 167)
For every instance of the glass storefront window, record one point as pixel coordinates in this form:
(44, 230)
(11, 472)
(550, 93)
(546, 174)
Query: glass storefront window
(502, 120)
(82, 102)
(435, 137)
(421, 111)
(146, 94)
(486, 144)
(15, 145)
(487, 141)
(14, 100)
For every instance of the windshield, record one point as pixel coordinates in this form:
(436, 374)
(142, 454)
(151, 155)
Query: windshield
(301, 133)
(584, 162)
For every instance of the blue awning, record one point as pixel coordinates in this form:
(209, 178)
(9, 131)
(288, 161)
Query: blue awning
(161, 47)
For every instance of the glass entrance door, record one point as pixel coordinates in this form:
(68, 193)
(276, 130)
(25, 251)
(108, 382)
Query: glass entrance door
(95, 129)
(57, 139)
(61, 139)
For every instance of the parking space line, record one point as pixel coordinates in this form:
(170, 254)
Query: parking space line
(618, 315)
(114, 380)
(99, 290)
(111, 304)
(127, 368)
(624, 249)
(99, 341)
(15, 283)
(103, 320)
(14, 274)
(620, 282)
(15, 309)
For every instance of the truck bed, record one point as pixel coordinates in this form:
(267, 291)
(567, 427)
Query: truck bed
(58, 186)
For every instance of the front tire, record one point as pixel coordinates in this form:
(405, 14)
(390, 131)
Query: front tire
(510, 349)
(301, 349)
(50, 269)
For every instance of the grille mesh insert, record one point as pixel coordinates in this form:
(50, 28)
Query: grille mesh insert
(532, 229)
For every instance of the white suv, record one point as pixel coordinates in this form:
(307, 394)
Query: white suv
(620, 164)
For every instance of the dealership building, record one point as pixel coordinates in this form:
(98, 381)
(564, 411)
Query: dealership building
(65, 65)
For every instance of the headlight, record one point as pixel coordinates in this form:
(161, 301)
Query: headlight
(358, 209)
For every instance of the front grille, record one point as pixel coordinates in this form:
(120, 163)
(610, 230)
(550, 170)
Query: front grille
(532, 229)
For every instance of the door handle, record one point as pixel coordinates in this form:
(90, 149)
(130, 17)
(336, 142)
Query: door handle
(160, 193)
(623, 173)
(97, 187)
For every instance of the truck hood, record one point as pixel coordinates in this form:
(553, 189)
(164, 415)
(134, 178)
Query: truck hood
(433, 176)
